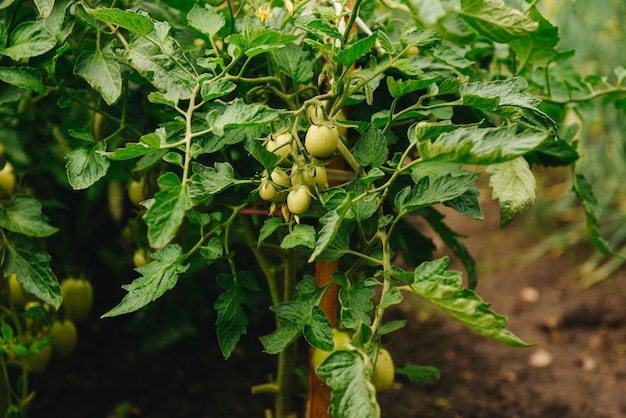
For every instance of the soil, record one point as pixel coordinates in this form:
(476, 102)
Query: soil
(576, 369)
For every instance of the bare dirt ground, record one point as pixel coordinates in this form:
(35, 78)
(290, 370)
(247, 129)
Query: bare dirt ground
(577, 369)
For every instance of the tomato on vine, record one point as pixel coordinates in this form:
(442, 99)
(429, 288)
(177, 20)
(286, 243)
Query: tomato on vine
(65, 338)
(77, 298)
(7, 180)
(384, 371)
(321, 141)
(282, 145)
(299, 200)
(342, 341)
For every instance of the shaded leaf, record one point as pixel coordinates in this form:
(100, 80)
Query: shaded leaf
(496, 20)
(355, 51)
(205, 19)
(31, 266)
(23, 77)
(157, 277)
(29, 39)
(127, 19)
(356, 304)
(86, 165)
(100, 69)
(23, 215)
(230, 306)
(371, 149)
(295, 62)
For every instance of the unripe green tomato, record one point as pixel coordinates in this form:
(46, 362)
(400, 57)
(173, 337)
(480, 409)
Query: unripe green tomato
(268, 191)
(321, 141)
(18, 296)
(280, 177)
(384, 371)
(299, 200)
(341, 340)
(65, 338)
(141, 257)
(7, 180)
(282, 145)
(77, 298)
(38, 363)
(136, 191)
(310, 176)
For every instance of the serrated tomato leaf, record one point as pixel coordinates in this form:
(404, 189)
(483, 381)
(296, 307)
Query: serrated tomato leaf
(444, 288)
(31, 266)
(23, 215)
(513, 184)
(232, 321)
(86, 165)
(351, 392)
(157, 277)
(167, 213)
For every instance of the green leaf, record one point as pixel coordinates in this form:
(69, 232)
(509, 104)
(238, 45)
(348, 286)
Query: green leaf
(100, 69)
(301, 235)
(294, 316)
(392, 326)
(317, 331)
(513, 184)
(157, 277)
(161, 61)
(31, 266)
(216, 88)
(392, 297)
(23, 215)
(331, 223)
(23, 77)
(213, 250)
(240, 114)
(208, 181)
(502, 96)
(496, 21)
(356, 304)
(445, 289)
(419, 374)
(585, 195)
(481, 145)
(44, 7)
(205, 19)
(355, 51)
(257, 40)
(449, 55)
(536, 49)
(86, 165)
(421, 38)
(371, 148)
(232, 321)
(269, 227)
(168, 211)
(399, 88)
(351, 392)
(131, 150)
(127, 19)
(29, 39)
(295, 62)
(442, 189)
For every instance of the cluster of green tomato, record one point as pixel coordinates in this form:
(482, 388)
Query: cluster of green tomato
(300, 172)
(77, 302)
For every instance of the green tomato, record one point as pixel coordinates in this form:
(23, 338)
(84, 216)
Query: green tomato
(7, 180)
(321, 141)
(282, 145)
(268, 191)
(38, 362)
(136, 191)
(141, 257)
(280, 177)
(384, 371)
(77, 298)
(340, 338)
(65, 338)
(310, 176)
(18, 296)
(299, 200)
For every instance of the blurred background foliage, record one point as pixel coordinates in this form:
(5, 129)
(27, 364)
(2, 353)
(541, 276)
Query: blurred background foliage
(596, 30)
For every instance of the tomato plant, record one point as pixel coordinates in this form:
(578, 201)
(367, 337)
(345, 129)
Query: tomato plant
(296, 133)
